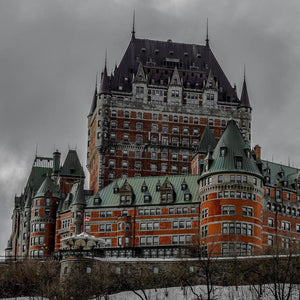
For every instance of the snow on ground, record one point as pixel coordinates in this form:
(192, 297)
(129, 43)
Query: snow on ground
(220, 293)
(185, 293)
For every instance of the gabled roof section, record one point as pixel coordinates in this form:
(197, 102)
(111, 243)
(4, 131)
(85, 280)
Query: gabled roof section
(159, 59)
(111, 199)
(140, 74)
(175, 79)
(207, 142)
(72, 166)
(245, 102)
(235, 151)
(47, 187)
(211, 83)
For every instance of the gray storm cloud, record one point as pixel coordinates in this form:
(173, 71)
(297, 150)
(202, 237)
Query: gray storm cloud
(50, 52)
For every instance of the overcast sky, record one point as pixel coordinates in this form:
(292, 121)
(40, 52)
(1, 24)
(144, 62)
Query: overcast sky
(50, 52)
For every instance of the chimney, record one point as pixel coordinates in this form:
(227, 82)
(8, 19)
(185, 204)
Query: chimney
(257, 150)
(56, 162)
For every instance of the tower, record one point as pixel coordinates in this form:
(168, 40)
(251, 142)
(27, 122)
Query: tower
(43, 217)
(149, 116)
(230, 188)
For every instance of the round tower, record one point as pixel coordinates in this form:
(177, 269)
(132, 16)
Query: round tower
(230, 188)
(42, 223)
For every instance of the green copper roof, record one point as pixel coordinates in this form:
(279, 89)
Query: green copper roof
(289, 173)
(207, 142)
(47, 186)
(72, 166)
(235, 149)
(40, 168)
(109, 198)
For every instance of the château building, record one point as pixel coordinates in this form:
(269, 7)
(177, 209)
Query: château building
(171, 165)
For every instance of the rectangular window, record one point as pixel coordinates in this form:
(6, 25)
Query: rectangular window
(228, 210)
(204, 213)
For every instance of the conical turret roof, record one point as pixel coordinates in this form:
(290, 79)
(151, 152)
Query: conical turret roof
(236, 156)
(47, 186)
(79, 198)
(245, 102)
(207, 142)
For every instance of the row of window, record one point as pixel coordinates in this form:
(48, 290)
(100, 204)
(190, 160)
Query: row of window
(153, 167)
(37, 253)
(182, 224)
(37, 240)
(285, 241)
(37, 227)
(154, 140)
(167, 118)
(232, 249)
(163, 155)
(181, 239)
(48, 202)
(231, 179)
(285, 225)
(65, 223)
(233, 194)
(47, 212)
(237, 228)
(230, 210)
(282, 209)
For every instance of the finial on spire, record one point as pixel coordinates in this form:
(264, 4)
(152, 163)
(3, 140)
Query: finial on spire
(133, 26)
(207, 39)
(244, 72)
(105, 60)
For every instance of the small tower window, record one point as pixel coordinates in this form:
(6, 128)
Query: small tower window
(222, 151)
(239, 163)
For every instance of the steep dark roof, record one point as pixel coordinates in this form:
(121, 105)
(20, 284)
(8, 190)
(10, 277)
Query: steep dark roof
(47, 186)
(79, 197)
(72, 166)
(244, 96)
(236, 147)
(94, 101)
(159, 59)
(104, 87)
(207, 142)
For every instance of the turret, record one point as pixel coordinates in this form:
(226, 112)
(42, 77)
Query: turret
(43, 216)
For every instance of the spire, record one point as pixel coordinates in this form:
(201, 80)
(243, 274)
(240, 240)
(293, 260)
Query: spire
(133, 27)
(94, 101)
(244, 96)
(104, 86)
(207, 39)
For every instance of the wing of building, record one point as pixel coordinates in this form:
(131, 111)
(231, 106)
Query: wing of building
(170, 167)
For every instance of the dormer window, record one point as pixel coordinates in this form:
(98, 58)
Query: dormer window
(96, 201)
(147, 199)
(267, 179)
(247, 152)
(223, 151)
(116, 190)
(144, 188)
(157, 187)
(187, 197)
(238, 163)
(183, 186)
(285, 183)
